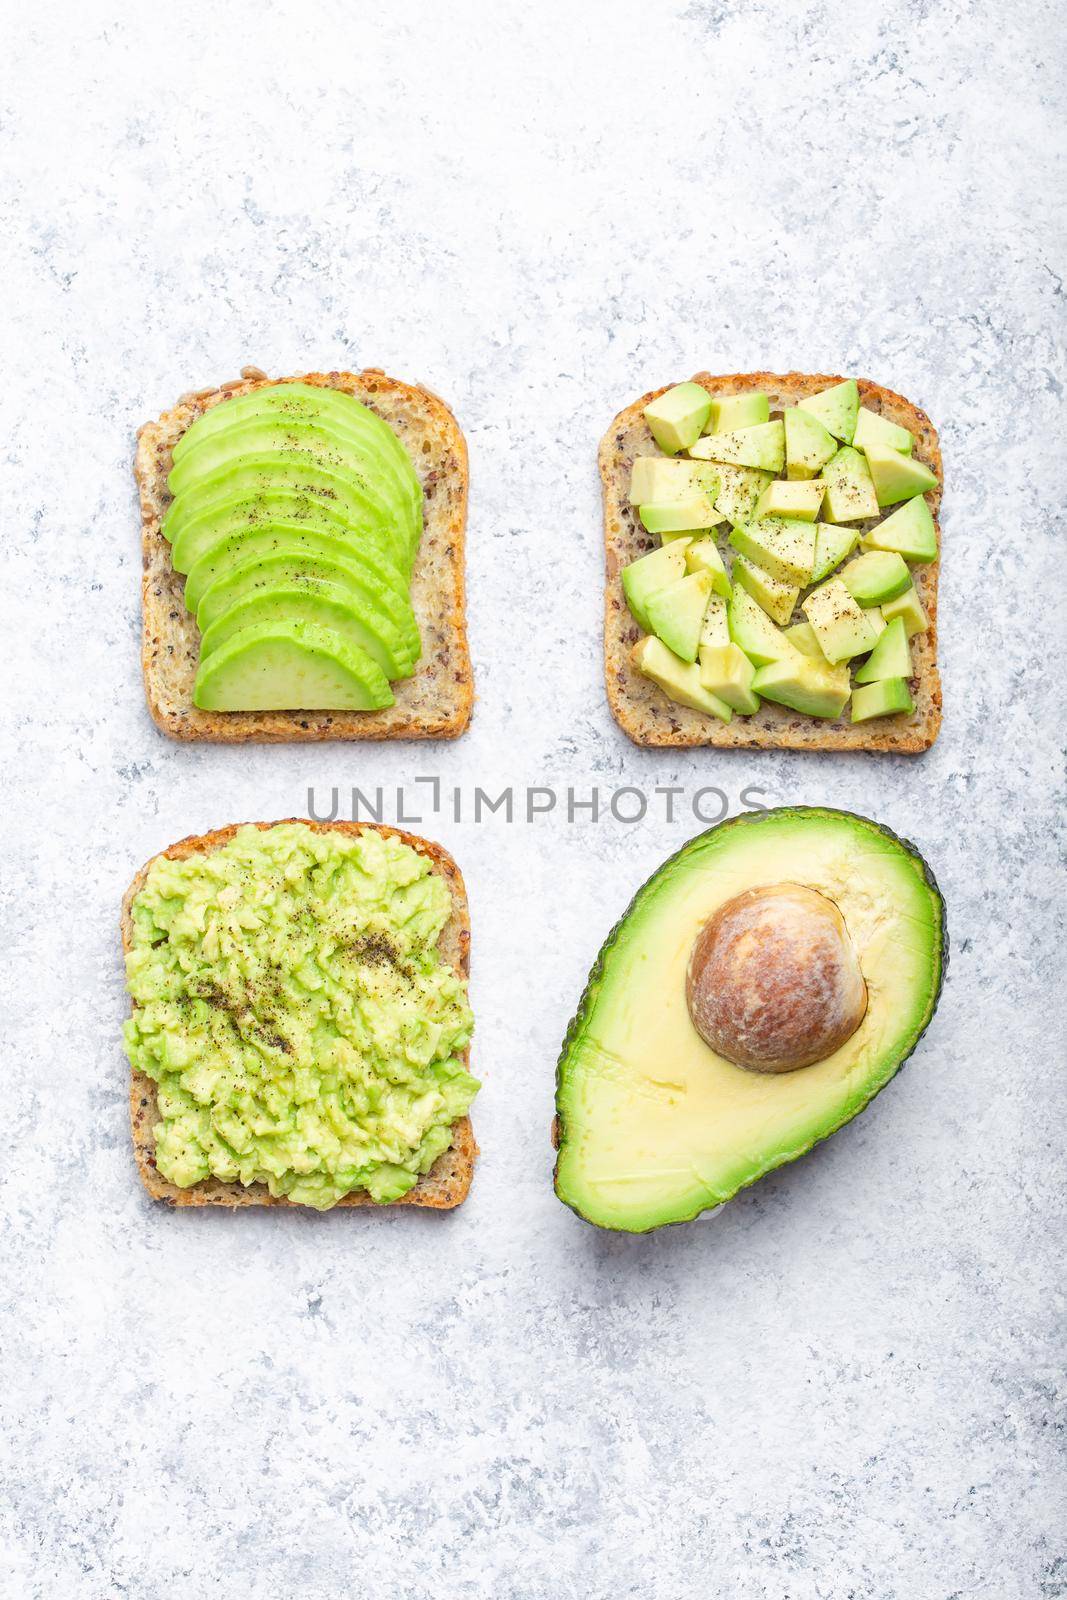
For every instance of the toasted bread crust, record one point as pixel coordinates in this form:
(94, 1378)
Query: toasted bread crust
(449, 1179)
(641, 709)
(435, 703)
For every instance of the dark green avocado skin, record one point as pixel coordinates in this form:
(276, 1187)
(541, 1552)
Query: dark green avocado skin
(559, 1132)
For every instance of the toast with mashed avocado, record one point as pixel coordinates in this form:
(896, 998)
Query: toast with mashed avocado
(303, 560)
(299, 1030)
(818, 631)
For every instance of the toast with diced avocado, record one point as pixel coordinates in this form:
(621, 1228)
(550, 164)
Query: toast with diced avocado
(887, 458)
(448, 1181)
(415, 584)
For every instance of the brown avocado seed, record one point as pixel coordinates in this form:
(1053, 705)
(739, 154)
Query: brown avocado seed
(774, 982)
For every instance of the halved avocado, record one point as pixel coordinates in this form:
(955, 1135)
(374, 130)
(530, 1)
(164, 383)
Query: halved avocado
(289, 666)
(327, 605)
(398, 632)
(653, 1126)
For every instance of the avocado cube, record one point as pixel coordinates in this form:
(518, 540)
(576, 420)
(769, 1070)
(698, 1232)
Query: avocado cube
(841, 626)
(782, 546)
(775, 597)
(837, 408)
(875, 618)
(802, 637)
(739, 489)
(715, 629)
(678, 416)
(876, 576)
(808, 445)
(804, 685)
(679, 680)
(728, 673)
(832, 544)
(850, 493)
(909, 608)
(897, 477)
(753, 631)
(761, 447)
(784, 499)
(730, 412)
(669, 535)
(886, 698)
(660, 480)
(909, 530)
(873, 429)
(643, 577)
(890, 658)
(695, 513)
(703, 556)
(677, 612)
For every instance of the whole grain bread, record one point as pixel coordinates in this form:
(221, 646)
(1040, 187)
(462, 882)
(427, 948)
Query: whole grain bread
(641, 709)
(436, 702)
(449, 1179)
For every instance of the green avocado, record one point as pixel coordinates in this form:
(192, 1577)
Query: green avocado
(677, 416)
(897, 477)
(677, 613)
(290, 666)
(327, 605)
(771, 594)
(850, 493)
(837, 408)
(652, 1125)
(805, 684)
(249, 541)
(874, 429)
(841, 626)
(760, 448)
(808, 445)
(642, 578)
(875, 576)
(782, 546)
(753, 631)
(910, 531)
(292, 1007)
(891, 656)
(679, 680)
(887, 697)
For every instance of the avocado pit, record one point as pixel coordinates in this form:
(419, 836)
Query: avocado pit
(774, 982)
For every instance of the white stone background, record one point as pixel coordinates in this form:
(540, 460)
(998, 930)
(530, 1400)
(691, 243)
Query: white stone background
(849, 1382)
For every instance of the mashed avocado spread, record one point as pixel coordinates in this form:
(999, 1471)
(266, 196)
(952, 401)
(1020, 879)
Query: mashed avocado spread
(301, 1026)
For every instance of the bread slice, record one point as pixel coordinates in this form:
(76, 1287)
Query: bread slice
(641, 709)
(448, 1180)
(436, 702)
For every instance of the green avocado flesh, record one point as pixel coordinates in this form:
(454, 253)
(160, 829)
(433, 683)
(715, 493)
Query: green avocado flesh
(778, 468)
(295, 487)
(653, 1126)
(291, 1005)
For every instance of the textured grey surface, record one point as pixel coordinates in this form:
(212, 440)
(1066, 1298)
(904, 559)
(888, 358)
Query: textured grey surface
(849, 1382)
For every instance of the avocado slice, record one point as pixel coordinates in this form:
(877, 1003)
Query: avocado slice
(327, 605)
(775, 596)
(703, 556)
(832, 545)
(677, 613)
(652, 1126)
(909, 608)
(739, 489)
(289, 666)
(842, 627)
(850, 493)
(715, 629)
(752, 629)
(874, 429)
(732, 411)
(837, 408)
(660, 480)
(802, 636)
(643, 577)
(692, 514)
(876, 576)
(782, 546)
(677, 417)
(399, 634)
(891, 656)
(909, 530)
(897, 477)
(785, 499)
(679, 680)
(727, 672)
(888, 697)
(808, 445)
(761, 447)
(805, 684)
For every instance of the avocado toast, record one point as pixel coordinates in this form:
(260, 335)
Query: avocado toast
(366, 621)
(659, 700)
(448, 1180)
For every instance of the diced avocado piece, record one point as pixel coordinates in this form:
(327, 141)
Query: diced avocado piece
(761, 447)
(753, 631)
(289, 666)
(329, 605)
(832, 545)
(694, 513)
(850, 492)
(876, 576)
(910, 531)
(886, 698)
(679, 680)
(897, 477)
(659, 480)
(873, 429)
(890, 658)
(808, 445)
(837, 408)
(840, 625)
(678, 417)
(643, 577)
(677, 612)
(782, 546)
(803, 684)
(728, 673)
(802, 636)
(669, 535)
(732, 411)
(703, 556)
(909, 608)
(875, 618)
(784, 499)
(775, 597)
(715, 630)
(739, 489)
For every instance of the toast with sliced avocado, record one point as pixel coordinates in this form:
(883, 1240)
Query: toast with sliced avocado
(822, 494)
(349, 486)
(253, 1093)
